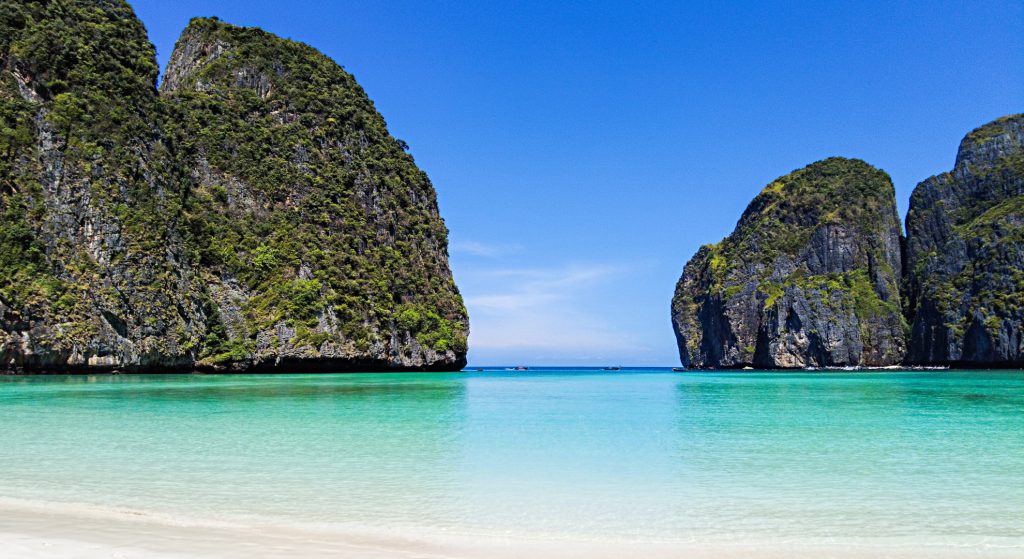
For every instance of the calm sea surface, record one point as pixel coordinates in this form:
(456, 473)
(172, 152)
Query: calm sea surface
(625, 454)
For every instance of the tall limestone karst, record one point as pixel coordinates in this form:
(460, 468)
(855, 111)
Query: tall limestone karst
(256, 215)
(809, 277)
(92, 273)
(965, 254)
(317, 234)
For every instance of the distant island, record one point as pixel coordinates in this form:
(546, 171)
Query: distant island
(819, 274)
(253, 215)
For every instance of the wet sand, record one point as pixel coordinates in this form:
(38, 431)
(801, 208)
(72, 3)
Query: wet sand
(30, 530)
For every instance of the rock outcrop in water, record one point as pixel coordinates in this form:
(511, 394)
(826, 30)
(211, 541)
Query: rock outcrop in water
(256, 215)
(965, 254)
(809, 277)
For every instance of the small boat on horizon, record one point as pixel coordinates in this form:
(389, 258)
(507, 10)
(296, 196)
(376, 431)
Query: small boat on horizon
(518, 368)
(678, 369)
(613, 368)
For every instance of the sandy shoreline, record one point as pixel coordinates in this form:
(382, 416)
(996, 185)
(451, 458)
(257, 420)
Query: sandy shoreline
(38, 530)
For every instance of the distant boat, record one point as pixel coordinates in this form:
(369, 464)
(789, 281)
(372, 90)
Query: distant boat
(612, 368)
(519, 368)
(678, 369)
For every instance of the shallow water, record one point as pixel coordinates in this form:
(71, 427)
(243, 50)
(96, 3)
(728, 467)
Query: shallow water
(650, 454)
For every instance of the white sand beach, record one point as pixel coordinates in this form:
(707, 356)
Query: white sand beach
(48, 531)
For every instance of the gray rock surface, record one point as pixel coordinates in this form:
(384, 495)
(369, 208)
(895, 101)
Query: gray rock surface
(965, 254)
(113, 199)
(94, 274)
(809, 278)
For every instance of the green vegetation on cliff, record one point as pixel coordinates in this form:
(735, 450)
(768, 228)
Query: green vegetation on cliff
(810, 276)
(303, 197)
(965, 253)
(256, 213)
(782, 218)
(85, 187)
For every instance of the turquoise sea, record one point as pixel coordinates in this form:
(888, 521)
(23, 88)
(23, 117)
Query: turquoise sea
(631, 454)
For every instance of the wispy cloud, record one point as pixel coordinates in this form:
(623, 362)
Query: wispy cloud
(522, 289)
(487, 250)
(537, 313)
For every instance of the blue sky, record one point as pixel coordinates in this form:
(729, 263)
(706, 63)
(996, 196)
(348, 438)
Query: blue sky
(583, 151)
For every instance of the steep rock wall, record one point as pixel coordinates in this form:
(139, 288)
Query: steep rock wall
(965, 254)
(809, 278)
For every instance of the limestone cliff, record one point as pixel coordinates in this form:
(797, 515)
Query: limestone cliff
(318, 236)
(965, 254)
(809, 277)
(93, 274)
(256, 216)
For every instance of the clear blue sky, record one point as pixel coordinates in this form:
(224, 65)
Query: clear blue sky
(583, 151)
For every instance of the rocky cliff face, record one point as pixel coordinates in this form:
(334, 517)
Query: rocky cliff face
(93, 273)
(319, 238)
(965, 254)
(257, 216)
(809, 277)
